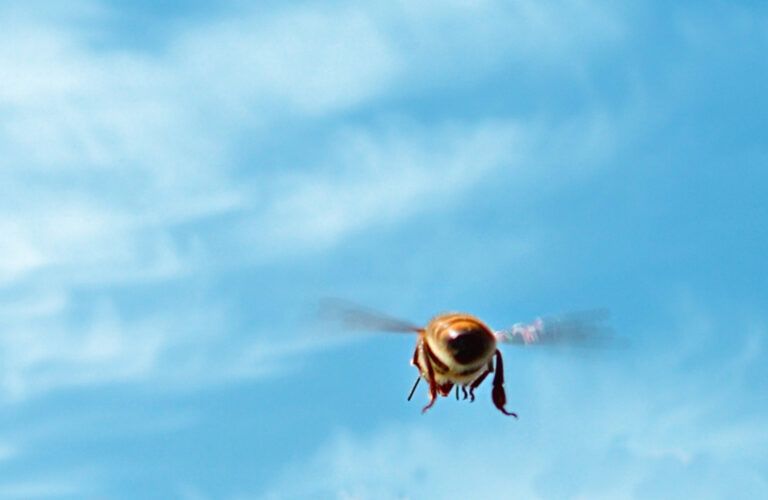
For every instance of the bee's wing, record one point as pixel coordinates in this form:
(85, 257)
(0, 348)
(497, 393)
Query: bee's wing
(352, 316)
(582, 328)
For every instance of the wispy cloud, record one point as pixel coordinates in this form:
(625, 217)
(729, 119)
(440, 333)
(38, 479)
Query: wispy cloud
(61, 486)
(382, 174)
(105, 151)
(44, 353)
(376, 176)
(301, 60)
(482, 36)
(6, 451)
(51, 344)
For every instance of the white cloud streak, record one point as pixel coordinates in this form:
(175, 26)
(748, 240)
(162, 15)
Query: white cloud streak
(130, 135)
(62, 486)
(383, 177)
(306, 61)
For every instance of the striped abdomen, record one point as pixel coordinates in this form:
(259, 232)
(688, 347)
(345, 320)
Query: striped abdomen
(459, 347)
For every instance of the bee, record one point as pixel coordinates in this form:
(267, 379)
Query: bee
(458, 350)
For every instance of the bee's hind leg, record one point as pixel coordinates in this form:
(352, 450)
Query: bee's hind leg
(499, 396)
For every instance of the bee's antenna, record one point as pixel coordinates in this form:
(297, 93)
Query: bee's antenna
(418, 379)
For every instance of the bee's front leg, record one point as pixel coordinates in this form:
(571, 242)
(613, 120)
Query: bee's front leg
(430, 377)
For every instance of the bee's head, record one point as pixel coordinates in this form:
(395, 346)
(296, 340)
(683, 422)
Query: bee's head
(471, 344)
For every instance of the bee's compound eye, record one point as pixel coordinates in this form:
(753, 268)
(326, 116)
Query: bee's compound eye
(469, 346)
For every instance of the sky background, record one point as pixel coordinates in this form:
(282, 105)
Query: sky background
(180, 183)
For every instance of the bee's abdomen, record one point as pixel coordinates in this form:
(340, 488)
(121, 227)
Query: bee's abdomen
(460, 340)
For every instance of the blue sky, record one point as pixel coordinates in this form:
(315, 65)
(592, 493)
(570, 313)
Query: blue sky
(181, 183)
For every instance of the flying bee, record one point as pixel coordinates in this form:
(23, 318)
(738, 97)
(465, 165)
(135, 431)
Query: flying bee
(458, 350)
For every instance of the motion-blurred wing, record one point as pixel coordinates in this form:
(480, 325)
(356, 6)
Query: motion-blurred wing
(583, 328)
(351, 316)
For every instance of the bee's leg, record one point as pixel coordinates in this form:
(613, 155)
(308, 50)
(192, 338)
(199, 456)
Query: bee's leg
(457, 392)
(464, 389)
(430, 378)
(478, 381)
(499, 396)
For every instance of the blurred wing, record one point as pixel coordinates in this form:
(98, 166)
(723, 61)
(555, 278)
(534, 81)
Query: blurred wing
(583, 328)
(351, 316)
